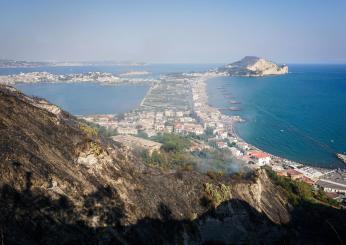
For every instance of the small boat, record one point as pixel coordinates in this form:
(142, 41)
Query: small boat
(342, 157)
(234, 102)
(233, 108)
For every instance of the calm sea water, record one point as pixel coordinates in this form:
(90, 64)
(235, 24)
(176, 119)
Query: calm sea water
(300, 116)
(88, 98)
(92, 98)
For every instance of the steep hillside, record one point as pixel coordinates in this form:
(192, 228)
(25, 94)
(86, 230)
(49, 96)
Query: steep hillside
(61, 184)
(254, 66)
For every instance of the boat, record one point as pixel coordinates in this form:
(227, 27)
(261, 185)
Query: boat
(234, 102)
(233, 108)
(342, 157)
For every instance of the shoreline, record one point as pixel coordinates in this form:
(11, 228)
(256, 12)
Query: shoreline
(278, 164)
(195, 100)
(311, 164)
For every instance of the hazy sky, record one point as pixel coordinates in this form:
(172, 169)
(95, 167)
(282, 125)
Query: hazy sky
(168, 31)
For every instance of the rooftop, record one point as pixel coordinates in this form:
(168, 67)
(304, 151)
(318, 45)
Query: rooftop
(259, 154)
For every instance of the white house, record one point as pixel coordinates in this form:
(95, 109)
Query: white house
(261, 157)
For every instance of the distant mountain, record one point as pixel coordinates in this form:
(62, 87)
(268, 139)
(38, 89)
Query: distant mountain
(21, 63)
(4, 63)
(253, 66)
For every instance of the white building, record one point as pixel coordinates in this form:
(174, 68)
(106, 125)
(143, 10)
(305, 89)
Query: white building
(260, 157)
(221, 144)
(331, 186)
(127, 131)
(236, 152)
(150, 132)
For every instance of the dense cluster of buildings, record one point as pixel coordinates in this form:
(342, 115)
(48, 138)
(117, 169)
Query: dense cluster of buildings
(100, 77)
(179, 104)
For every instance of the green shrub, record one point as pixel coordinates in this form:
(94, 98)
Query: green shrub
(321, 196)
(172, 160)
(298, 191)
(93, 129)
(95, 148)
(173, 142)
(91, 132)
(216, 194)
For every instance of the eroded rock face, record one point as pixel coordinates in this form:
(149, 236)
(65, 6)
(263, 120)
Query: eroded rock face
(263, 67)
(254, 66)
(49, 107)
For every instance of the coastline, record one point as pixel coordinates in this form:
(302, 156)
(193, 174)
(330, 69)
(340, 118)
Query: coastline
(278, 164)
(182, 99)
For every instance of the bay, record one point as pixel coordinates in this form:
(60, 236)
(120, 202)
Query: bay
(88, 98)
(300, 116)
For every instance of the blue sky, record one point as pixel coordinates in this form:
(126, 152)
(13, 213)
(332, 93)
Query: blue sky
(168, 31)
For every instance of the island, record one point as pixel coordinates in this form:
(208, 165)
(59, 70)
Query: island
(253, 66)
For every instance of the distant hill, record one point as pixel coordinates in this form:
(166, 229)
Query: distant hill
(21, 63)
(254, 66)
(5, 63)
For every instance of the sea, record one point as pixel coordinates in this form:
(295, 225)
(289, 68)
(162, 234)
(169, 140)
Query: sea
(93, 98)
(300, 116)
(89, 98)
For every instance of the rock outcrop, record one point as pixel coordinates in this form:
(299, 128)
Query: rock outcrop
(62, 184)
(254, 66)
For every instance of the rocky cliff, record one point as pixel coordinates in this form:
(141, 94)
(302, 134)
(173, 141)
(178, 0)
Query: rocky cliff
(62, 184)
(254, 66)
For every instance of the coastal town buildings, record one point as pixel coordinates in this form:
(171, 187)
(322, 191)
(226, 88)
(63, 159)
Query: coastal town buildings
(179, 104)
(260, 157)
(125, 131)
(46, 77)
(294, 174)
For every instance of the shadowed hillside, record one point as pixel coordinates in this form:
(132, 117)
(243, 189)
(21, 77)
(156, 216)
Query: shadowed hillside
(62, 184)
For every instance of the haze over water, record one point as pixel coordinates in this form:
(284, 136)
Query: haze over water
(300, 116)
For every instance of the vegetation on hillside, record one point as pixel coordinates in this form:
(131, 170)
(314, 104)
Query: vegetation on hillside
(173, 142)
(216, 194)
(218, 161)
(89, 131)
(173, 154)
(299, 192)
(96, 129)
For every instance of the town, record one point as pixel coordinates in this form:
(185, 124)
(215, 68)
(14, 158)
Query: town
(131, 77)
(178, 104)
